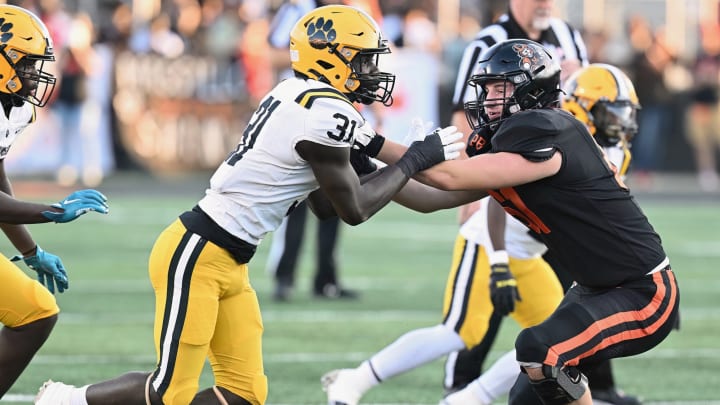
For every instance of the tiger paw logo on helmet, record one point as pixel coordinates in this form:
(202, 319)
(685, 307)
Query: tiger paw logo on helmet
(529, 59)
(5, 27)
(320, 33)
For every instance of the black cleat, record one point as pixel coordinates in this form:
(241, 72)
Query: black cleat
(335, 292)
(614, 397)
(282, 292)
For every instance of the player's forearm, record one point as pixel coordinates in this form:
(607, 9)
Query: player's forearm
(13, 211)
(391, 152)
(19, 236)
(422, 198)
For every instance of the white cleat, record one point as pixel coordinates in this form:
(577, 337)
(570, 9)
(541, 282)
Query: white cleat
(464, 396)
(54, 393)
(338, 384)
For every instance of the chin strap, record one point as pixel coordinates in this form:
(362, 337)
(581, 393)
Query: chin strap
(219, 395)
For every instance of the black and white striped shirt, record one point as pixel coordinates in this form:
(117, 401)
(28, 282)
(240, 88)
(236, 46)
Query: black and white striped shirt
(560, 39)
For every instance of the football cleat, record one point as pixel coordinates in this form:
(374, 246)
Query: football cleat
(613, 396)
(464, 396)
(339, 387)
(54, 393)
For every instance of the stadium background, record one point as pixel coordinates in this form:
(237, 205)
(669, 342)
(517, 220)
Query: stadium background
(177, 106)
(157, 123)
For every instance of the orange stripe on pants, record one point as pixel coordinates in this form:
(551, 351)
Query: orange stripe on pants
(616, 319)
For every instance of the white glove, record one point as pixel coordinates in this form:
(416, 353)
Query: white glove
(437, 147)
(449, 136)
(418, 130)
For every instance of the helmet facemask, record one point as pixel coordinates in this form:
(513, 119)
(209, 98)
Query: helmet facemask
(374, 85)
(531, 80)
(32, 83)
(477, 111)
(614, 122)
(520, 93)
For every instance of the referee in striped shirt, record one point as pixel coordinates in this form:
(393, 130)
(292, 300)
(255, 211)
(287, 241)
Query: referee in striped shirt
(528, 19)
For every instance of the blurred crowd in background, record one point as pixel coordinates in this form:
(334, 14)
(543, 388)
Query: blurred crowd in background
(166, 86)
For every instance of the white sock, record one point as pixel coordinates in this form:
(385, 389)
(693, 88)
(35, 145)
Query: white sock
(414, 349)
(498, 379)
(78, 396)
(364, 378)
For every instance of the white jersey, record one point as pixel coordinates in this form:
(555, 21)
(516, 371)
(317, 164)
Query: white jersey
(619, 156)
(12, 126)
(265, 177)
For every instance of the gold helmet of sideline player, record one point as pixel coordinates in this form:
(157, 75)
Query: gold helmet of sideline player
(604, 98)
(25, 46)
(340, 45)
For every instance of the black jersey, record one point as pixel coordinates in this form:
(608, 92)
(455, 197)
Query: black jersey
(583, 213)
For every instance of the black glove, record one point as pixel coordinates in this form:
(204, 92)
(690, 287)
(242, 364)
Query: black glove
(503, 289)
(361, 163)
(437, 147)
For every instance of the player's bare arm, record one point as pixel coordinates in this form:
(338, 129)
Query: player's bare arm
(423, 198)
(354, 203)
(489, 171)
(17, 233)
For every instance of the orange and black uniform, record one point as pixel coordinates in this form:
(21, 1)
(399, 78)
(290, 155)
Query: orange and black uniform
(626, 297)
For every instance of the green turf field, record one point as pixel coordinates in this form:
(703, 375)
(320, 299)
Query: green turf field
(399, 261)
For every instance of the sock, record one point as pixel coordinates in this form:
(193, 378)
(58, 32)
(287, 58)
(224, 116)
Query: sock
(77, 397)
(414, 349)
(498, 379)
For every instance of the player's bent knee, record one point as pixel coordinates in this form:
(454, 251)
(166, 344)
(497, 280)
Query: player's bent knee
(560, 385)
(529, 347)
(254, 393)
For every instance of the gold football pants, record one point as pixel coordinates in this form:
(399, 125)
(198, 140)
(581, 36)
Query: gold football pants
(205, 308)
(22, 299)
(467, 307)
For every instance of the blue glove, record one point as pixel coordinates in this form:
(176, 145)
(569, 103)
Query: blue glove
(49, 269)
(76, 204)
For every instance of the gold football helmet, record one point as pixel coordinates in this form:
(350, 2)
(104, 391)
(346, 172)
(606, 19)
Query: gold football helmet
(604, 98)
(25, 46)
(340, 45)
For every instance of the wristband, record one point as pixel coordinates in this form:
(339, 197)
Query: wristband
(373, 147)
(498, 257)
(33, 251)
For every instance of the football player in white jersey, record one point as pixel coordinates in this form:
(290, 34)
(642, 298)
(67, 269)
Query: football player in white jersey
(296, 146)
(604, 99)
(28, 311)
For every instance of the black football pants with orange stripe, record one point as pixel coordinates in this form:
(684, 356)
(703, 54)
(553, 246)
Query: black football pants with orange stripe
(592, 325)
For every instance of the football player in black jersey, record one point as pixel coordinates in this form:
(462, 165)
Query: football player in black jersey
(545, 168)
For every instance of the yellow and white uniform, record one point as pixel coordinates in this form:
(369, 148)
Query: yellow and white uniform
(22, 299)
(467, 307)
(205, 305)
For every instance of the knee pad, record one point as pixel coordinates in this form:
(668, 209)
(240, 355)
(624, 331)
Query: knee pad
(560, 385)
